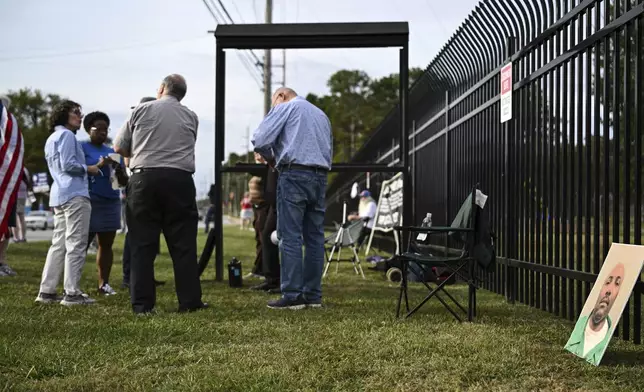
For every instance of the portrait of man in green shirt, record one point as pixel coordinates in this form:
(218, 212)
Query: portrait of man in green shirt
(593, 331)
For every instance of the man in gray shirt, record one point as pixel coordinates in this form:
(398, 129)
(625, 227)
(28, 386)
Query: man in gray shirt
(159, 138)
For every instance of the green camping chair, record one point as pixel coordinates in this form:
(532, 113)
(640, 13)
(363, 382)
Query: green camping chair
(470, 229)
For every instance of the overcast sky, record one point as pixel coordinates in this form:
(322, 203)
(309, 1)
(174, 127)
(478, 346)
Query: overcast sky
(106, 55)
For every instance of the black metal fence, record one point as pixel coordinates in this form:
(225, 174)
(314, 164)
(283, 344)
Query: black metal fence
(564, 176)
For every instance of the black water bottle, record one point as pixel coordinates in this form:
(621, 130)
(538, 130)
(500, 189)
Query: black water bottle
(234, 273)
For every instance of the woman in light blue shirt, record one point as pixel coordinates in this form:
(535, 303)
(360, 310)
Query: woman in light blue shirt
(106, 205)
(69, 197)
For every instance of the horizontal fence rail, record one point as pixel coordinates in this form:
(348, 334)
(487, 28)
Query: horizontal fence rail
(563, 176)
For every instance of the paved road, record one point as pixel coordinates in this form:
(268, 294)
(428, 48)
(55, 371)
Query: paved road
(45, 235)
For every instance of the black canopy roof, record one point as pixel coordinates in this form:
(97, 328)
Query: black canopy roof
(312, 35)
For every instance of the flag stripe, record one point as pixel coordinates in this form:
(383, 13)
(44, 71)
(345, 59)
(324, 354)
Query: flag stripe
(11, 165)
(6, 129)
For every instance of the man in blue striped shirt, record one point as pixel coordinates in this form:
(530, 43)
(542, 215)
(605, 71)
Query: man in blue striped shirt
(295, 137)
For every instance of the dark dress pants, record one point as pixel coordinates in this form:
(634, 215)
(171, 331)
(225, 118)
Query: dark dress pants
(163, 200)
(127, 258)
(270, 251)
(258, 224)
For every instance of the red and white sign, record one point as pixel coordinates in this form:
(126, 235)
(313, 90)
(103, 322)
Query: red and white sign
(506, 93)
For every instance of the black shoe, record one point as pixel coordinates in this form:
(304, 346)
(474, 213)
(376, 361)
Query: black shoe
(143, 313)
(284, 303)
(46, 298)
(265, 287)
(204, 305)
(125, 285)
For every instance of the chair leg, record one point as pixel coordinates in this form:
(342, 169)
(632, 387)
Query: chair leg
(328, 261)
(471, 295)
(404, 279)
(434, 293)
(403, 290)
(400, 296)
(356, 260)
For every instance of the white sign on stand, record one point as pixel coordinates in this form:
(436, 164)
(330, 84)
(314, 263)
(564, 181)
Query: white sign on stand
(389, 210)
(40, 183)
(506, 93)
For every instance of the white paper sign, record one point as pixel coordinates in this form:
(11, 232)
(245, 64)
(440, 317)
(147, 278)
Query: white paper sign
(481, 198)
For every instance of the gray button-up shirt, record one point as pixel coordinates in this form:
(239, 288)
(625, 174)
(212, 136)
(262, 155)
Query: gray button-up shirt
(160, 133)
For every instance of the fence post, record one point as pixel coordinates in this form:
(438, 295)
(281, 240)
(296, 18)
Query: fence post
(447, 169)
(510, 234)
(413, 170)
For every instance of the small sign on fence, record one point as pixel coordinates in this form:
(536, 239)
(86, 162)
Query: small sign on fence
(506, 93)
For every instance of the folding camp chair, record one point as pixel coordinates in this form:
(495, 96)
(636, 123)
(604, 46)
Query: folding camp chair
(471, 229)
(345, 237)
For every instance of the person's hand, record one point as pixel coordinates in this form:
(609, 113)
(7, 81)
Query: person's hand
(102, 161)
(93, 170)
(118, 169)
(259, 158)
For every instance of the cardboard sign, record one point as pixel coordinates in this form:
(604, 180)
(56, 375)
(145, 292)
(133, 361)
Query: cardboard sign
(606, 302)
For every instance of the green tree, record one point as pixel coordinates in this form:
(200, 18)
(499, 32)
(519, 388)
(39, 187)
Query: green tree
(356, 105)
(31, 108)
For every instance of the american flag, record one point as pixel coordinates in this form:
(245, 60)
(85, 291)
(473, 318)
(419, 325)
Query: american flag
(11, 164)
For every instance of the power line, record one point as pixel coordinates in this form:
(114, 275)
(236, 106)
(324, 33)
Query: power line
(232, 21)
(230, 18)
(100, 50)
(211, 11)
(247, 62)
(255, 12)
(237, 10)
(436, 18)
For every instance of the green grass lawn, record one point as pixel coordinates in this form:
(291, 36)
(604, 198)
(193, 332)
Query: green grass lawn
(354, 343)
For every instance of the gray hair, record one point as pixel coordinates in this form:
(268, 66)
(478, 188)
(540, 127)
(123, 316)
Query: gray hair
(6, 101)
(175, 85)
(287, 91)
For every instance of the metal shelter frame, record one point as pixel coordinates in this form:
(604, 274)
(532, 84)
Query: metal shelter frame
(308, 36)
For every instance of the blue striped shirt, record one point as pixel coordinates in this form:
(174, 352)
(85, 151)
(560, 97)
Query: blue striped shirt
(295, 132)
(66, 163)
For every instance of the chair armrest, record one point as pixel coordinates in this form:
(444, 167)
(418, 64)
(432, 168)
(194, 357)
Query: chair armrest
(434, 229)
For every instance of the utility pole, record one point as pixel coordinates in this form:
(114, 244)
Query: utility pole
(246, 142)
(283, 67)
(268, 63)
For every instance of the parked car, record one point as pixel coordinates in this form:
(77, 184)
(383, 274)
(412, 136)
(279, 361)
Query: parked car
(42, 220)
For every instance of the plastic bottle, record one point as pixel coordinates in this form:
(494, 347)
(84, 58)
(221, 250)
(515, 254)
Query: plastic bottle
(234, 273)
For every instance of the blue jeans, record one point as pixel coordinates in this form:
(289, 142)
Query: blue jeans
(300, 220)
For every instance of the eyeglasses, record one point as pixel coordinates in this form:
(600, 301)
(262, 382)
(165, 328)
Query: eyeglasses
(77, 112)
(92, 129)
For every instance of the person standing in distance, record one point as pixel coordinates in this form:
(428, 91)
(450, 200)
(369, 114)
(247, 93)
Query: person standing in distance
(159, 138)
(295, 136)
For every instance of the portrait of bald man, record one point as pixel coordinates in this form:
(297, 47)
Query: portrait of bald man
(593, 331)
